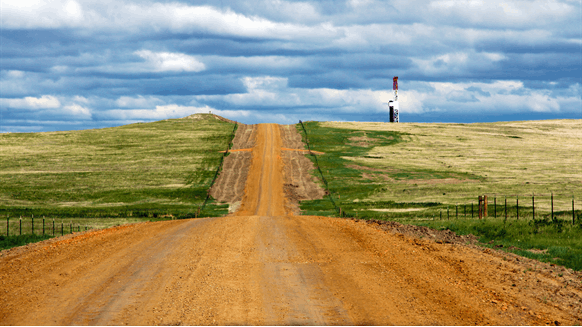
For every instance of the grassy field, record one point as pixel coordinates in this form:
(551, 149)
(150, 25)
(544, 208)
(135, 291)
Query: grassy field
(431, 174)
(144, 170)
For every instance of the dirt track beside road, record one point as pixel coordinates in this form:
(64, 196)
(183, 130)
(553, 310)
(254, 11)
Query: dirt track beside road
(263, 265)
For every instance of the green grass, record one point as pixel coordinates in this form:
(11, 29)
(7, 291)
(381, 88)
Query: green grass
(143, 170)
(560, 240)
(7, 242)
(426, 173)
(21, 231)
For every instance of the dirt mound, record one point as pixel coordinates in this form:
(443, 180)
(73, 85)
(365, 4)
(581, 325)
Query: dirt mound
(229, 185)
(203, 116)
(300, 184)
(440, 236)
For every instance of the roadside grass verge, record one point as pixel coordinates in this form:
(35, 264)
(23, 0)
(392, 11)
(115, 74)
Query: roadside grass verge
(432, 174)
(57, 227)
(7, 242)
(557, 242)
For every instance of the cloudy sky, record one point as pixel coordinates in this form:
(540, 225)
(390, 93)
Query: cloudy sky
(76, 64)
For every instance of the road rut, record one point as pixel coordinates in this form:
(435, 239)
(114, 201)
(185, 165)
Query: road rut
(264, 266)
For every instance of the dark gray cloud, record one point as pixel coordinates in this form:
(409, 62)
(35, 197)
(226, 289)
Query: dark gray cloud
(71, 64)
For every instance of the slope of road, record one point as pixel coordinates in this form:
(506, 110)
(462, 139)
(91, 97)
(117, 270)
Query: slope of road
(264, 266)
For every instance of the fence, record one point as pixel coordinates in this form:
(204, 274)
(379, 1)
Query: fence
(41, 227)
(479, 210)
(327, 191)
(218, 169)
(483, 207)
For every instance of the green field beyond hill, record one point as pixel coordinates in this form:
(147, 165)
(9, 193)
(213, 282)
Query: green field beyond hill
(431, 174)
(144, 170)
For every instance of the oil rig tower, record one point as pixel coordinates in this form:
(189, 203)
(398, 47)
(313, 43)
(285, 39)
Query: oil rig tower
(393, 104)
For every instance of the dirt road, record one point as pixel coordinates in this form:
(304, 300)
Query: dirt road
(262, 265)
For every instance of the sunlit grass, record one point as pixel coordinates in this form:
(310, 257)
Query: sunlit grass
(139, 170)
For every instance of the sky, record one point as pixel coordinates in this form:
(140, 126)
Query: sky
(79, 64)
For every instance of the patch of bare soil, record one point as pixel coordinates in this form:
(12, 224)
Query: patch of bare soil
(229, 186)
(547, 283)
(362, 141)
(300, 184)
(440, 236)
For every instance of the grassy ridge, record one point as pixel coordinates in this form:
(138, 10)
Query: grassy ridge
(138, 170)
(430, 174)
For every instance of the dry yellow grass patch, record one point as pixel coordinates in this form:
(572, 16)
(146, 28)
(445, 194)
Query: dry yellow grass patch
(512, 158)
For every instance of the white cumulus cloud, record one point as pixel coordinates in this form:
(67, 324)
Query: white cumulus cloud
(167, 61)
(44, 102)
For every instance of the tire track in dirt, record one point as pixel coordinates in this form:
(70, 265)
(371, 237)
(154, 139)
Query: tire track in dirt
(229, 186)
(299, 183)
(264, 266)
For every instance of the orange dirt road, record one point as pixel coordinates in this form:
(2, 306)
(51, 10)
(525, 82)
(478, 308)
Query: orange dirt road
(261, 266)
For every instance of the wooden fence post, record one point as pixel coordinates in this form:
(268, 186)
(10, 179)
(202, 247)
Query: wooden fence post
(441, 214)
(495, 206)
(62, 229)
(8, 221)
(517, 201)
(472, 215)
(485, 206)
(552, 205)
(480, 207)
(32, 225)
(505, 208)
(20, 227)
(533, 207)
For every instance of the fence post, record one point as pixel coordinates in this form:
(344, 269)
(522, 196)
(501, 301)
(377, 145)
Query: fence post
(505, 208)
(495, 207)
(533, 207)
(472, 210)
(8, 221)
(71, 227)
(573, 216)
(480, 207)
(441, 214)
(32, 225)
(517, 201)
(20, 227)
(42, 225)
(552, 205)
(485, 206)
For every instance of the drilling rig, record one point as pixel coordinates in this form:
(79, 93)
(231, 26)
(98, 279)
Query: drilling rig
(393, 104)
